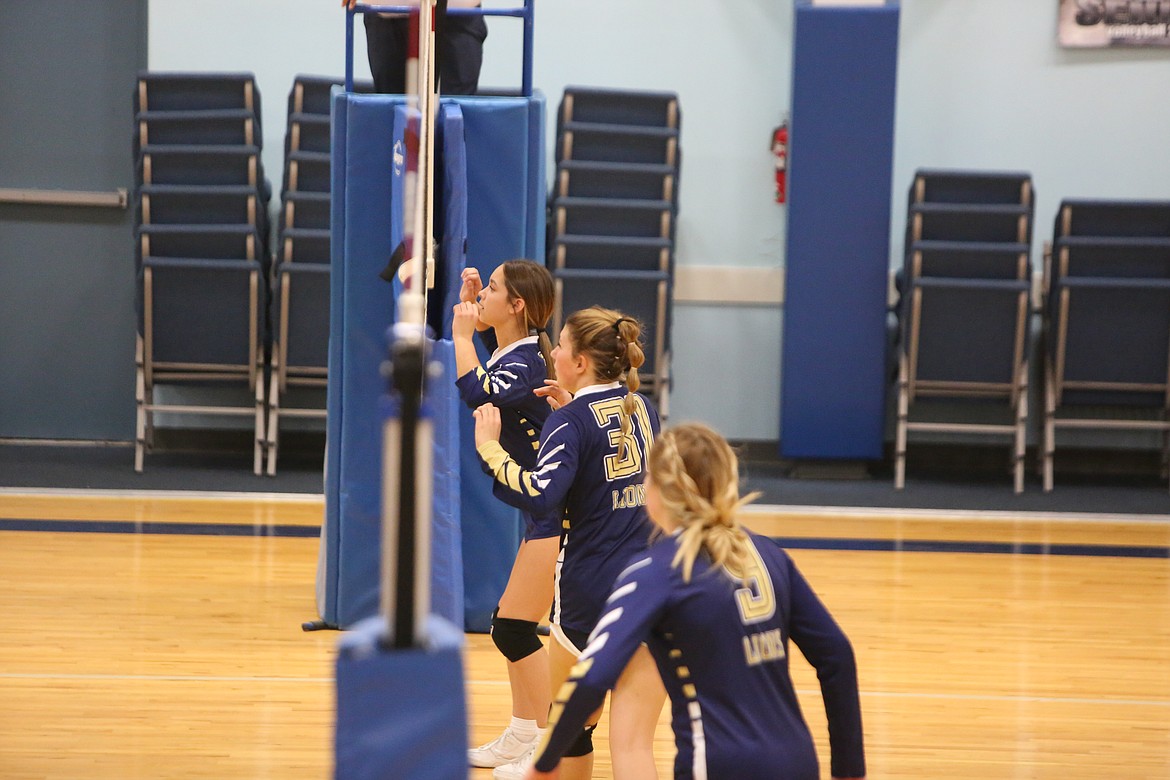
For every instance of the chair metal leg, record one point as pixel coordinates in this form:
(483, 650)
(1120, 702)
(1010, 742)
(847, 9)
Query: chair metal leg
(1049, 436)
(273, 419)
(140, 423)
(664, 399)
(903, 419)
(258, 443)
(1021, 429)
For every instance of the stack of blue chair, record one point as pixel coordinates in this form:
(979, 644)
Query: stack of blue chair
(300, 271)
(201, 248)
(1107, 321)
(614, 207)
(965, 309)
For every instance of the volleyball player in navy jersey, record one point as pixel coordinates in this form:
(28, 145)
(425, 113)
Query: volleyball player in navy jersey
(717, 606)
(590, 470)
(516, 305)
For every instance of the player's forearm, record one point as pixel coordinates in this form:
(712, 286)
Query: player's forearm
(843, 712)
(466, 358)
(514, 485)
(566, 719)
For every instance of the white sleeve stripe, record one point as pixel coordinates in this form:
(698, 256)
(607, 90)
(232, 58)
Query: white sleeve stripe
(608, 618)
(633, 567)
(499, 387)
(549, 454)
(624, 590)
(554, 433)
(545, 469)
(594, 646)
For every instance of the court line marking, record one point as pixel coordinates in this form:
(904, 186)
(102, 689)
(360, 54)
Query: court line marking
(156, 528)
(158, 678)
(751, 509)
(499, 683)
(183, 495)
(953, 515)
(848, 544)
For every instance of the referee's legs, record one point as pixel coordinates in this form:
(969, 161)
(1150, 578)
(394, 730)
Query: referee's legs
(461, 54)
(386, 42)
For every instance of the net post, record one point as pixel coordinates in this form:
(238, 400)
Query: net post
(407, 442)
(407, 453)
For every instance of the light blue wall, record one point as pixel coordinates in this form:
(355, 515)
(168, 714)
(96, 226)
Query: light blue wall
(982, 84)
(985, 85)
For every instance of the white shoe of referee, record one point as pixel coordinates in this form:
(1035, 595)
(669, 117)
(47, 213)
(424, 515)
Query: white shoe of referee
(518, 768)
(506, 748)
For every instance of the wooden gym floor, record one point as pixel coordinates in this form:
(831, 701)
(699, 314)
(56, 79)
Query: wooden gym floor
(159, 637)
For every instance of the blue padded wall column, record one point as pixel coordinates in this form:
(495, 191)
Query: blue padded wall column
(833, 382)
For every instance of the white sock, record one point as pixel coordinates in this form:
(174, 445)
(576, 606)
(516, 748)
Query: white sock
(524, 729)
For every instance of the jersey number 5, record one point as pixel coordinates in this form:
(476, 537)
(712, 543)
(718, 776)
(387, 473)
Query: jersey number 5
(756, 601)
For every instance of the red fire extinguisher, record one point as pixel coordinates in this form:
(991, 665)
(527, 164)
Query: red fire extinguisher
(780, 158)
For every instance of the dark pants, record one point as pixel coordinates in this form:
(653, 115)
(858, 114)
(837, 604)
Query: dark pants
(460, 52)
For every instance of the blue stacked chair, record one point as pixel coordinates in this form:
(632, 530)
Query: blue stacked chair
(1107, 321)
(201, 249)
(614, 208)
(300, 278)
(965, 310)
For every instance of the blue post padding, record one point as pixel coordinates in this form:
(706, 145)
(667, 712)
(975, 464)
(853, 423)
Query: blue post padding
(537, 179)
(453, 245)
(327, 571)
(443, 407)
(491, 536)
(833, 362)
(400, 713)
(362, 580)
(503, 221)
(504, 170)
(367, 311)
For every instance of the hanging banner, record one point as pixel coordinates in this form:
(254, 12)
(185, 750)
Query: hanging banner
(1106, 23)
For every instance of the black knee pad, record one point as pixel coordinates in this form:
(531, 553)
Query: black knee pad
(583, 744)
(516, 639)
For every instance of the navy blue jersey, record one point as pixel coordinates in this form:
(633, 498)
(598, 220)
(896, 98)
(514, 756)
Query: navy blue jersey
(600, 496)
(722, 651)
(507, 382)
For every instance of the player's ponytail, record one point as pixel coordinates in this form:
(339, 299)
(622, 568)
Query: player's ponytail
(613, 342)
(697, 477)
(534, 284)
(630, 354)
